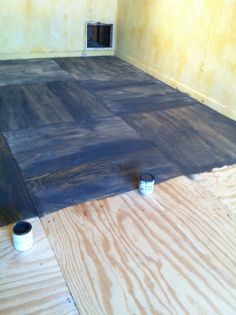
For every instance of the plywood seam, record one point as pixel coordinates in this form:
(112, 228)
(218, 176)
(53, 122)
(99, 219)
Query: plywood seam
(174, 236)
(42, 291)
(59, 265)
(223, 205)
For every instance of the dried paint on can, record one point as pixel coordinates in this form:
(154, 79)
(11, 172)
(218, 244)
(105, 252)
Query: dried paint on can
(22, 236)
(146, 184)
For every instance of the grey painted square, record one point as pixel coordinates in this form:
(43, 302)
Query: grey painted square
(15, 72)
(69, 163)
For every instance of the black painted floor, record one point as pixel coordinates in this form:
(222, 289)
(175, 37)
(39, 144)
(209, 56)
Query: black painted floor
(83, 128)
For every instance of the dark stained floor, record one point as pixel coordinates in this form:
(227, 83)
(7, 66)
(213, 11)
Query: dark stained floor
(15, 202)
(188, 138)
(101, 69)
(33, 71)
(86, 161)
(85, 128)
(26, 106)
(127, 96)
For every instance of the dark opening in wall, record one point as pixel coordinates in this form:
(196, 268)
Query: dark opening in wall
(99, 35)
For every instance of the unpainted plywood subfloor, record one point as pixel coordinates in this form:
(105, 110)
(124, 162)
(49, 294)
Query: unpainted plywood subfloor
(171, 253)
(221, 182)
(31, 282)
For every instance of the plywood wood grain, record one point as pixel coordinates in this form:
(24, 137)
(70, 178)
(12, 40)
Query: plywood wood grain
(171, 253)
(70, 163)
(196, 138)
(31, 282)
(100, 68)
(127, 96)
(26, 106)
(15, 202)
(90, 134)
(80, 103)
(221, 183)
(32, 71)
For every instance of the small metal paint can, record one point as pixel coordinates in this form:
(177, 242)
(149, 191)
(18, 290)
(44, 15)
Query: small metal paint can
(146, 184)
(22, 236)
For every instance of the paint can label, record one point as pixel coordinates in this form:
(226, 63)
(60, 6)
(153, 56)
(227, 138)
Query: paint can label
(146, 184)
(22, 236)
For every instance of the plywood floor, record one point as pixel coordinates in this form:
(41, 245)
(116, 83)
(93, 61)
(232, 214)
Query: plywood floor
(221, 182)
(171, 253)
(17, 72)
(81, 166)
(73, 130)
(31, 282)
(77, 129)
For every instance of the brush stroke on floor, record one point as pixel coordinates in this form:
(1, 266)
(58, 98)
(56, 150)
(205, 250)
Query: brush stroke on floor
(90, 136)
(86, 161)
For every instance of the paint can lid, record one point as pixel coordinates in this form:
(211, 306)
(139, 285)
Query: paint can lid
(22, 228)
(146, 177)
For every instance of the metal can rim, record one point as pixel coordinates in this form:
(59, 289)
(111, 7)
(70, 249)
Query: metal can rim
(27, 227)
(147, 177)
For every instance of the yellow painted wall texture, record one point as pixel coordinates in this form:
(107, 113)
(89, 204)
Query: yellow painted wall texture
(190, 44)
(46, 28)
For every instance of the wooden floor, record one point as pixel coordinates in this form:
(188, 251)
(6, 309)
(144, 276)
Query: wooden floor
(17, 72)
(80, 166)
(15, 202)
(77, 129)
(31, 282)
(221, 183)
(171, 253)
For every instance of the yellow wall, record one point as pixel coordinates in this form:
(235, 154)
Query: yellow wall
(190, 44)
(46, 28)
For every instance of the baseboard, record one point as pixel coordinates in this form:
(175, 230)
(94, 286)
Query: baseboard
(80, 53)
(202, 98)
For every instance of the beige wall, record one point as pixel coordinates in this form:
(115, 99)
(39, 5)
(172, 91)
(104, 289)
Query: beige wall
(45, 28)
(190, 44)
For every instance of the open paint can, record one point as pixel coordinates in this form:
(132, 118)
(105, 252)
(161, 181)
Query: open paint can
(22, 236)
(146, 184)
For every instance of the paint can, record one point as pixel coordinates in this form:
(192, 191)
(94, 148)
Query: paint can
(146, 184)
(22, 236)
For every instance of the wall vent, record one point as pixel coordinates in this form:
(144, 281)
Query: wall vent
(99, 35)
